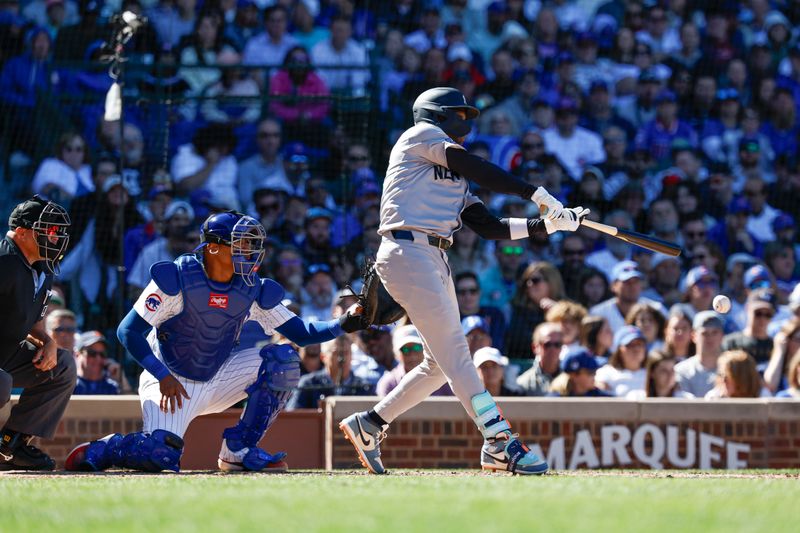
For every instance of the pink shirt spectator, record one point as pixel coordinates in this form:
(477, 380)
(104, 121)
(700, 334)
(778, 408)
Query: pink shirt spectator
(281, 85)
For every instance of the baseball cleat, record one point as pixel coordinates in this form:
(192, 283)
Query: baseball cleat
(17, 453)
(366, 438)
(511, 455)
(250, 460)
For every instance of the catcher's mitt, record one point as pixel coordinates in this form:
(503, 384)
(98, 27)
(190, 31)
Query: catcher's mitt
(378, 306)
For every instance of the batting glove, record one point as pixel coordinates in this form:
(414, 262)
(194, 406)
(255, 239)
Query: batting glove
(548, 205)
(568, 220)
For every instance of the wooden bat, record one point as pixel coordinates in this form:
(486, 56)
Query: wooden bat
(639, 239)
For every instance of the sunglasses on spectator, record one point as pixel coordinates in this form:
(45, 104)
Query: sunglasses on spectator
(615, 140)
(268, 134)
(469, 290)
(65, 329)
(408, 348)
(512, 250)
(530, 282)
(553, 345)
(701, 257)
(76, 148)
(764, 314)
(695, 233)
(95, 353)
(264, 208)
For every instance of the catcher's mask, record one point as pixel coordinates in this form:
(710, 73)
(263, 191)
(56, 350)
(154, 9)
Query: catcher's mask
(244, 234)
(50, 225)
(438, 106)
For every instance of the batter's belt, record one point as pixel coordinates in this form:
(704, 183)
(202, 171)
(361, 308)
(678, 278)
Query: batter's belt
(417, 236)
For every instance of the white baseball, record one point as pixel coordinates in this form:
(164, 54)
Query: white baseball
(722, 304)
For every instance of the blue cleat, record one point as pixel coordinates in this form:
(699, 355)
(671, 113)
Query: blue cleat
(511, 455)
(366, 438)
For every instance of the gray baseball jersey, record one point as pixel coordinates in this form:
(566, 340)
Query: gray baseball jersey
(420, 192)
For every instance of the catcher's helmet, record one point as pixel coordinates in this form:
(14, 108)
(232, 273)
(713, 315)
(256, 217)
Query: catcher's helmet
(244, 234)
(438, 105)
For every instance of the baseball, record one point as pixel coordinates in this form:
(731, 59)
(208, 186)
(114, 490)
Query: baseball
(722, 304)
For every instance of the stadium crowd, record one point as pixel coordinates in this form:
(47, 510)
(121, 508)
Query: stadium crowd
(673, 118)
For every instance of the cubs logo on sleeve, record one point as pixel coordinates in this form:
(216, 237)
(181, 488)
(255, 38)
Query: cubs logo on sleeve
(152, 302)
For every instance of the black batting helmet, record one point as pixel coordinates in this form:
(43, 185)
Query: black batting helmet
(438, 106)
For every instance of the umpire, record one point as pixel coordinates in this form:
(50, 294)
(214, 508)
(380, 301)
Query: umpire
(29, 358)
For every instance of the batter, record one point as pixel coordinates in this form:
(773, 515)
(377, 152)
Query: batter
(425, 200)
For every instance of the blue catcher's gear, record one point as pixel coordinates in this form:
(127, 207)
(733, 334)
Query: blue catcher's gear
(277, 377)
(154, 452)
(244, 234)
(197, 341)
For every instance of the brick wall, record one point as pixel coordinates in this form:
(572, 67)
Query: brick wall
(581, 433)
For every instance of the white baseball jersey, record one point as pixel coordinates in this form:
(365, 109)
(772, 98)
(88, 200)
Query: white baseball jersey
(420, 192)
(219, 393)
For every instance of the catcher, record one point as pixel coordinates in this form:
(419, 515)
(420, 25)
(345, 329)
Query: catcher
(425, 200)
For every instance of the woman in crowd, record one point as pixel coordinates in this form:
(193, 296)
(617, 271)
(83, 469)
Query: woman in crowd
(737, 377)
(491, 365)
(467, 253)
(538, 289)
(200, 51)
(793, 378)
(678, 334)
(68, 174)
(650, 321)
(596, 336)
(593, 286)
(569, 315)
(778, 374)
(625, 369)
(659, 379)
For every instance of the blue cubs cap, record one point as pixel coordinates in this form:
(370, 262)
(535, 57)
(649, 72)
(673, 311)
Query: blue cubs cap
(472, 322)
(739, 205)
(625, 270)
(577, 359)
(626, 335)
(782, 222)
(757, 277)
(318, 212)
(707, 319)
(698, 274)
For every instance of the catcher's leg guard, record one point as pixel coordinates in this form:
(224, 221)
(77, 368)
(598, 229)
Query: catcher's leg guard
(277, 377)
(502, 450)
(154, 452)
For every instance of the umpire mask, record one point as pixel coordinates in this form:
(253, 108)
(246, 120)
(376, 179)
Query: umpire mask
(50, 224)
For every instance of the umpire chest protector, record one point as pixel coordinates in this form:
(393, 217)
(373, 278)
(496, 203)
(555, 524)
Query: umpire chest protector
(197, 341)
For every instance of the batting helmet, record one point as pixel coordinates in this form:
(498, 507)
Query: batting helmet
(438, 106)
(244, 234)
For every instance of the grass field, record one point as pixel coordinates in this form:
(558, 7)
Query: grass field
(405, 501)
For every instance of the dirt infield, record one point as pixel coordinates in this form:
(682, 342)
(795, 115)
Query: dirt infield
(654, 474)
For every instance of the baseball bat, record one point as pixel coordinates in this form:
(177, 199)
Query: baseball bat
(639, 239)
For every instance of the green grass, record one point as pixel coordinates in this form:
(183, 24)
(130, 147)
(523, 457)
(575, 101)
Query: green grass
(406, 501)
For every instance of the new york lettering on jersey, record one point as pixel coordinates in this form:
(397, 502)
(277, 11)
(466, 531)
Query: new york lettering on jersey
(444, 173)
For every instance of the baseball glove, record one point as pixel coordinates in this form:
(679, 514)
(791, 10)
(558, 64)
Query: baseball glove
(377, 305)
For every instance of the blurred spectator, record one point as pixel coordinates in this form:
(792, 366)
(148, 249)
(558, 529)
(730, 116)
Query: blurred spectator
(579, 369)
(319, 289)
(678, 341)
(665, 274)
(780, 259)
(701, 285)
(519, 105)
(538, 289)
(569, 316)
(288, 271)
(203, 47)
(732, 234)
(310, 359)
(498, 30)
(91, 358)
(627, 288)
(61, 325)
(173, 21)
(245, 24)
(206, 163)
(491, 364)
(593, 288)
(737, 377)
(316, 248)
(299, 94)
(265, 168)
(408, 350)
(546, 344)
(77, 34)
(574, 146)
(573, 264)
(268, 205)
(640, 109)
(158, 198)
(430, 33)
(625, 369)
(68, 174)
(23, 80)
(468, 295)
(697, 374)
(180, 236)
(761, 214)
(662, 218)
(660, 381)
(658, 135)
(476, 330)
(468, 253)
(334, 379)
(616, 250)
(501, 84)
(306, 32)
(754, 338)
(223, 104)
(498, 283)
(777, 375)
(372, 354)
(793, 379)
(650, 321)
(600, 115)
(342, 51)
(272, 45)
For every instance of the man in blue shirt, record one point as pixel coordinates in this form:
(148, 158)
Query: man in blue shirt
(91, 356)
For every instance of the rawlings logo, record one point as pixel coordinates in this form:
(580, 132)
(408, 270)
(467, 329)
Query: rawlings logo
(152, 302)
(218, 300)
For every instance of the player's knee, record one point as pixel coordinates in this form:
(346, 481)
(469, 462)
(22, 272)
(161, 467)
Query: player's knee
(282, 367)
(6, 384)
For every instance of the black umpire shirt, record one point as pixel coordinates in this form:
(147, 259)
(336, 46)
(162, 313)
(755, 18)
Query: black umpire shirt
(24, 291)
